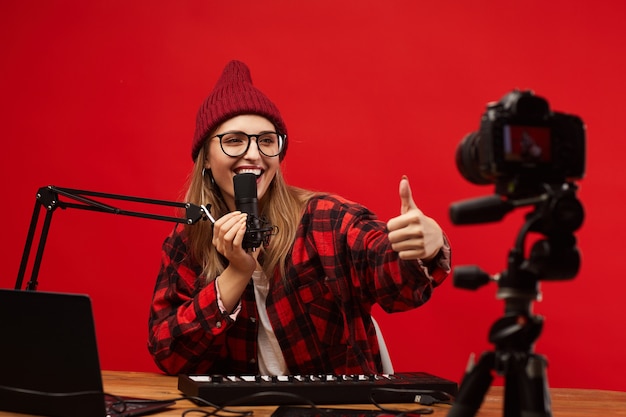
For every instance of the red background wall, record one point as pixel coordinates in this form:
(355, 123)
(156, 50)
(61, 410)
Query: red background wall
(102, 95)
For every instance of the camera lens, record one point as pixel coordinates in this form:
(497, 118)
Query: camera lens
(467, 159)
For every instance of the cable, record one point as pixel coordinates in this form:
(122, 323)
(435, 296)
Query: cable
(251, 397)
(420, 396)
(119, 405)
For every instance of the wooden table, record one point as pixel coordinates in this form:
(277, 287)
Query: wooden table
(565, 402)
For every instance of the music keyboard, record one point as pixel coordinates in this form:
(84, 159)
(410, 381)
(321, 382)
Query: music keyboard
(319, 389)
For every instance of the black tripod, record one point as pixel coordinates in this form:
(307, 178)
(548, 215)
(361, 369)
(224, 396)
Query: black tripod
(557, 215)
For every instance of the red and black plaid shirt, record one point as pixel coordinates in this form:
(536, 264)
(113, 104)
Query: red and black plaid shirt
(341, 263)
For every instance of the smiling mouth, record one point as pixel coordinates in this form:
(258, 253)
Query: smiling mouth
(255, 171)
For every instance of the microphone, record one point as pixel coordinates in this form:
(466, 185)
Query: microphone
(258, 229)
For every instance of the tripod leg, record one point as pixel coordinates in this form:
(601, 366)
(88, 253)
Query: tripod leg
(526, 392)
(474, 387)
(535, 395)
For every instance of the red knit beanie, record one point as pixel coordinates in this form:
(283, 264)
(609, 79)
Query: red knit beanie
(234, 95)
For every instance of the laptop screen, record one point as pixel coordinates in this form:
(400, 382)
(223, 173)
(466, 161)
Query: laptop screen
(48, 355)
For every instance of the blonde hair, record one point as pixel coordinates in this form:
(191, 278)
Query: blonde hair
(282, 205)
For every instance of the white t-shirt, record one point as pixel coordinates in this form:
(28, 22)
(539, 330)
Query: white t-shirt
(271, 359)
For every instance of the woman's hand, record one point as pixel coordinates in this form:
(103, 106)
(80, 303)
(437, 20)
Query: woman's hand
(228, 233)
(413, 234)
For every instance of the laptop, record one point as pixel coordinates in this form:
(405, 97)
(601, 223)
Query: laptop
(49, 362)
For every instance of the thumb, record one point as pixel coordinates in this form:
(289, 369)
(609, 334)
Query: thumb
(406, 197)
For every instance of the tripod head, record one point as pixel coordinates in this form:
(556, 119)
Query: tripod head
(557, 214)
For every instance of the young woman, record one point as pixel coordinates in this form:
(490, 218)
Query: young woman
(301, 303)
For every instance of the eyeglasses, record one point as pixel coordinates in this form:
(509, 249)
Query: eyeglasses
(237, 143)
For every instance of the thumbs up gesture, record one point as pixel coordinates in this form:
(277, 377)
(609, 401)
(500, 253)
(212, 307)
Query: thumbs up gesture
(413, 234)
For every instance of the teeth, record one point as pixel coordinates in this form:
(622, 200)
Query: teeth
(256, 172)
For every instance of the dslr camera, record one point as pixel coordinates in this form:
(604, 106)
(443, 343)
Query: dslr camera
(522, 145)
(533, 156)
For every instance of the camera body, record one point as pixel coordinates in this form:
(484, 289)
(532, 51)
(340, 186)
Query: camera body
(521, 145)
